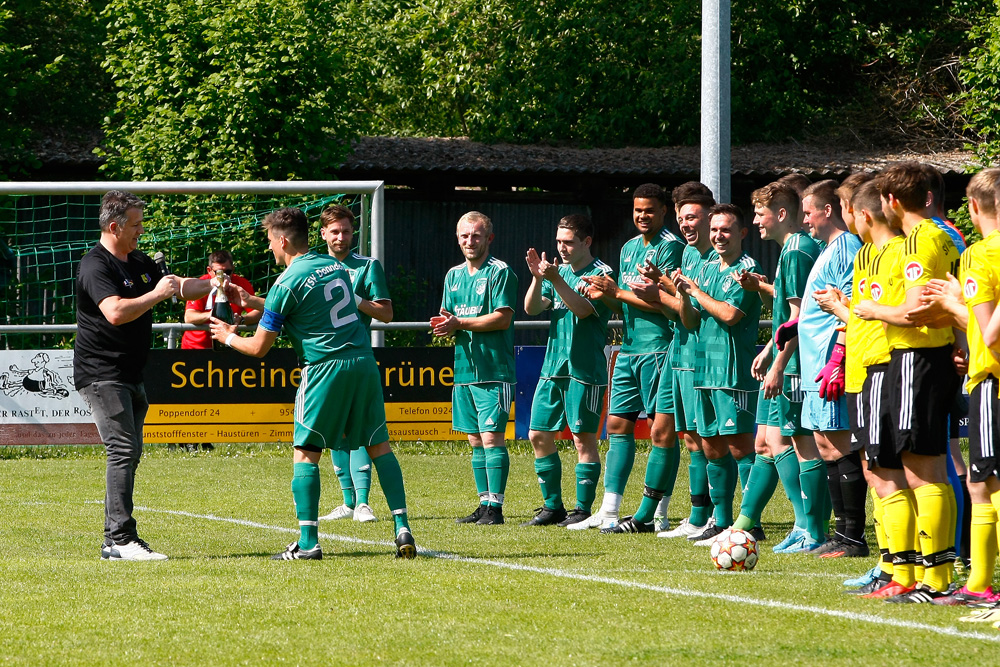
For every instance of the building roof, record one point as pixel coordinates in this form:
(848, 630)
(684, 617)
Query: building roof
(399, 159)
(450, 155)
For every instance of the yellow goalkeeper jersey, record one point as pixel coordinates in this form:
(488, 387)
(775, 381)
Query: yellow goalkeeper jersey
(866, 342)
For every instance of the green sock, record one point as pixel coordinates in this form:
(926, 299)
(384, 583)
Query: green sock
(812, 479)
(479, 474)
(744, 465)
(587, 475)
(549, 471)
(722, 477)
(621, 458)
(763, 480)
(390, 478)
(701, 506)
(305, 493)
(361, 473)
(342, 466)
(497, 469)
(787, 465)
(657, 473)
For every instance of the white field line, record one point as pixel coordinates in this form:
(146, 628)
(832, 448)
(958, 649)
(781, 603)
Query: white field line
(669, 590)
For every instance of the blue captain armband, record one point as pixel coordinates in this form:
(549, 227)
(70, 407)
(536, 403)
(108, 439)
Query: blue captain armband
(271, 321)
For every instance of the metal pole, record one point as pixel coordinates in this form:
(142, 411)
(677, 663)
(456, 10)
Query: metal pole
(378, 245)
(716, 158)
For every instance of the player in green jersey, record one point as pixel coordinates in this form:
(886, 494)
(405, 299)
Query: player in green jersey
(341, 388)
(777, 212)
(478, 308)
(371, 294)
(641, 380)
(574, 375)
(692, 202)
(727, 317)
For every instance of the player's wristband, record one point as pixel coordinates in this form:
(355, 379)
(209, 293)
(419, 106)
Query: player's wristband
(229, 339)
(357, 299)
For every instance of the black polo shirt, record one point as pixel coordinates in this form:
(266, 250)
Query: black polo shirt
(103, 351)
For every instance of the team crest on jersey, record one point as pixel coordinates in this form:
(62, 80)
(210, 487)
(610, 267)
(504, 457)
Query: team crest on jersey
(876, 291)
(971, 288)
(481, 286)
(913, 271)
(146, 278)
(128, 283)
(862, 284)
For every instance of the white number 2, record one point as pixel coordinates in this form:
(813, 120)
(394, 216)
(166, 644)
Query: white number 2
(335, 317)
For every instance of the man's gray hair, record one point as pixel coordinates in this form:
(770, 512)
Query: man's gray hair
(115, 205)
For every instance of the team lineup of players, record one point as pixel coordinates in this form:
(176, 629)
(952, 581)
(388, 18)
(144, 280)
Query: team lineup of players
(875, 321)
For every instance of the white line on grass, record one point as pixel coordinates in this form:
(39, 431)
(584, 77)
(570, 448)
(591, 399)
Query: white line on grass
(669, 590)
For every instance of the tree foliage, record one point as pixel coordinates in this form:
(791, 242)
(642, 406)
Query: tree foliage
(246, 89)
(981, 74)
(52, 82)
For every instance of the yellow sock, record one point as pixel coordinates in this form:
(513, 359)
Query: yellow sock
(918, 568)
(983, 543)
(901, 534)
(878, 518)
(995, 499)
(937, 532)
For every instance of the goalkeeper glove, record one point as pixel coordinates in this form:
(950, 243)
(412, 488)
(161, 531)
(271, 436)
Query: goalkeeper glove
(831, 378)
(786, 332)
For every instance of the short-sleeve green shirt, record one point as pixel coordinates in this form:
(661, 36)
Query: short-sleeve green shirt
(794, 264)
(644, 331)
(725, 353)
(368, 279)
(487, 356)
(683, 352)
(575, 348)
(313, 303)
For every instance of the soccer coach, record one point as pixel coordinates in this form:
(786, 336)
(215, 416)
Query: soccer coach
(116, 288)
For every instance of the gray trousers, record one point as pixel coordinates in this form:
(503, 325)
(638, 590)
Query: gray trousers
(119, 410)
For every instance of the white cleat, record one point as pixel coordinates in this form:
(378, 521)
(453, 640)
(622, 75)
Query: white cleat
(342, 512)
(598, 520)
(364, 514)
(661, 523)
(685, 529)
(135, 550)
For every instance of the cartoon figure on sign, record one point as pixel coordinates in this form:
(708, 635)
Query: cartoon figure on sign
(39, 380)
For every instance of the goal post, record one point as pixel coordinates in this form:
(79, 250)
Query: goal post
(188, 219)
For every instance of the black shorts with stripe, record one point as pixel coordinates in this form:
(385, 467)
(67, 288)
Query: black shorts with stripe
(873, 432)
(984, 430)
(919, 391)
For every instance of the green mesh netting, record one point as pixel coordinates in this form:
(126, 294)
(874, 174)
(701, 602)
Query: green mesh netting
(43, 237)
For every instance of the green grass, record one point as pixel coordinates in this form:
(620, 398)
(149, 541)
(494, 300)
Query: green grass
(515, 596)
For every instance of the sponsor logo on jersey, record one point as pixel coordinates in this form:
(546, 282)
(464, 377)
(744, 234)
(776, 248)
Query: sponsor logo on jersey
(861, 286)
(971, 287)
(876, 291)
(146, 278)
(913, 271)
(489, 421)
(481, 286)
(128, 283)
(729, 422)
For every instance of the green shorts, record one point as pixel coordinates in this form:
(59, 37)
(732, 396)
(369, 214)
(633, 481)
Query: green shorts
(635, 383)
(481, 408)
(725, 412)
(685, 400)
(339, 405)
(785, 409)
(562, 401)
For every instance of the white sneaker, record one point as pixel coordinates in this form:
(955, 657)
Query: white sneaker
(364, 513)
(661, 523)
(342, 512)
(598, 520)
(685, 529)
(135, 550)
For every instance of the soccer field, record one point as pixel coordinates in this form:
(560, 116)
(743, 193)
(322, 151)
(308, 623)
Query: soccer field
(502, 595)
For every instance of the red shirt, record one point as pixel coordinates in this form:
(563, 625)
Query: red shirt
(202, 340)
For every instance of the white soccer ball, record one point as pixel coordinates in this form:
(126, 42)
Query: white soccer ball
(734, 550)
